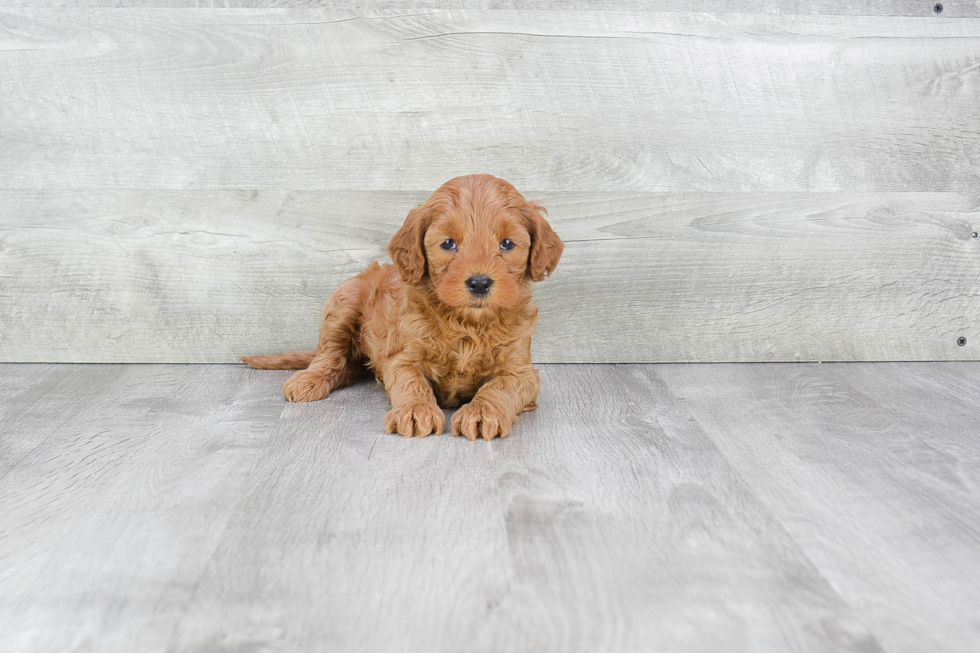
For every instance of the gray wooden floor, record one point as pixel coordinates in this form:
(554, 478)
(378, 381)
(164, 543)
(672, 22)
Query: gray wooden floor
(744, 507)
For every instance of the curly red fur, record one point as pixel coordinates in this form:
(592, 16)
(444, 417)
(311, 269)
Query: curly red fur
(427, 337)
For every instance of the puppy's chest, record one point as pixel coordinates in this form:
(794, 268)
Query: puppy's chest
(458, 371)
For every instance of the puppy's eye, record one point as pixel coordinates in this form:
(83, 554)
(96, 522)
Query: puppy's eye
(449, 244)
(507, 244)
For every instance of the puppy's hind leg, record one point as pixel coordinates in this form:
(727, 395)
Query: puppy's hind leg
(337, 358)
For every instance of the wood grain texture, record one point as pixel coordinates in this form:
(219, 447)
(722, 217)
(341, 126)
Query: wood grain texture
(365, 8)
(629, 531)
(187, 185)
(207, 276)
(873, 470)
(173, 515)
(552, 100)
(678, 508)
(38, 402)
(115, 487)
(392, 544)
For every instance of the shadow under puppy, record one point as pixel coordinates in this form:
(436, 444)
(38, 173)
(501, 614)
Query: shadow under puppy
(450, 322)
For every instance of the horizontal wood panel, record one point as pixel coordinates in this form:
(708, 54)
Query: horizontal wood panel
(320, 99)
(388, 7)
(206, 276)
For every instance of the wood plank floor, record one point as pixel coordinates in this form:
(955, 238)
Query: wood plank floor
(740, 507)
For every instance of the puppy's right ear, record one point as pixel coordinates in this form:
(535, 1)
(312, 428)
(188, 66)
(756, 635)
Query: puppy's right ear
(407, 248)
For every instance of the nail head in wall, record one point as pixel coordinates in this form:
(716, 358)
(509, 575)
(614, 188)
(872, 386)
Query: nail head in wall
(938, 8)
(961, 341)
(975, 234)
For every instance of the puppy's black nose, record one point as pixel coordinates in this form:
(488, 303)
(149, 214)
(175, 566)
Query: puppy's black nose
(479, 284)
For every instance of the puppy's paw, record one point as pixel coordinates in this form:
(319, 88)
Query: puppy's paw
(307, 385)
(479, 419)
(415, 419)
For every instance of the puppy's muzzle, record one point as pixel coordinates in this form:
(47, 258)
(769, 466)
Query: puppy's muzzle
(479, 284)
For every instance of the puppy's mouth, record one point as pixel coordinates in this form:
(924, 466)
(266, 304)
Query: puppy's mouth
(479, 306)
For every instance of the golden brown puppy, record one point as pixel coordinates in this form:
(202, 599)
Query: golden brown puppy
(449, 322)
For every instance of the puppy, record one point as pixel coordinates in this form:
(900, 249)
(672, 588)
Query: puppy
(449, 322)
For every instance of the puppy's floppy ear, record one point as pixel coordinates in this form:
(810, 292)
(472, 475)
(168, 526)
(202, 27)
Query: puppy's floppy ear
(546, 246)
(407, 248)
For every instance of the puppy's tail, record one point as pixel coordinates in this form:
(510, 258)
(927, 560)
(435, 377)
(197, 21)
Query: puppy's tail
(291, 360)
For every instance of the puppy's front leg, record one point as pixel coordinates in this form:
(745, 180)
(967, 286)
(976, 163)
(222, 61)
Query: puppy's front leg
(414, 410)
(496, 405)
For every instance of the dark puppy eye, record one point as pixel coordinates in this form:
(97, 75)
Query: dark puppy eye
(449, 244)
(507, 244)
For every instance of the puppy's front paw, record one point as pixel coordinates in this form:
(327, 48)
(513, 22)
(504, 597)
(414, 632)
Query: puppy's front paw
(479, 419)
(307, 385)
(415, 419)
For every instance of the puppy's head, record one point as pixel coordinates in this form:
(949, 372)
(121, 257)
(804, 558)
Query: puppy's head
(477, 241)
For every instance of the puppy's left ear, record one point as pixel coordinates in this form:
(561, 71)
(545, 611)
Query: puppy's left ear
(407, 248)
(546, 246)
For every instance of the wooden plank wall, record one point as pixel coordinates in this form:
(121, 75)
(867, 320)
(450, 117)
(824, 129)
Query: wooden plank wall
(740, 181)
